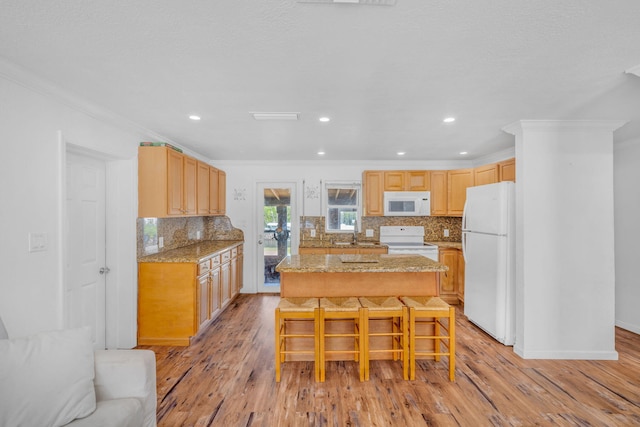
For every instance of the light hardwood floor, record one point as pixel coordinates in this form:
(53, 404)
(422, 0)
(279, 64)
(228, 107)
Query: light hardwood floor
(226, 378)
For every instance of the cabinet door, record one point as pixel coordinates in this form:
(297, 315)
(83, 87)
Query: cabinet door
(175, 186)
(240, 277)
(316, 251)
(203, 299)
(418, 181)
(215, 293)
(343, 251)
(448, 279)
(213, 191)
(190, 186)
(457, 183)
(438, 192)
(373, 189)
(460, 276)
(222, 192)
(394, 181)
(233, 266)
(203, 188)
(225, 283)
(507, 170)
(487, 174)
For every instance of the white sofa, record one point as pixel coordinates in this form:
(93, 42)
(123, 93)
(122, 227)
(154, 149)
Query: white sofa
(55, 378)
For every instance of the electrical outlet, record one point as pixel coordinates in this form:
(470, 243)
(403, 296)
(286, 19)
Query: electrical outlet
(313, 233)
(198, 234)
(161, 242)
(446, 232)
(369, 232)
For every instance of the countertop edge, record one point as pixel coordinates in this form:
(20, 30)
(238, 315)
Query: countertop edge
(194, 253)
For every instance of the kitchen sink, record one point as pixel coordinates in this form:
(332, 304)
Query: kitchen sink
(343, 243)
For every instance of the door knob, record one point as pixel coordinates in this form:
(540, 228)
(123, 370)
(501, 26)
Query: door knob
(259, 242)
(104, 270)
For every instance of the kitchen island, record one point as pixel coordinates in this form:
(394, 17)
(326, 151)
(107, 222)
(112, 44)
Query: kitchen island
(358, 275)
(317, 276)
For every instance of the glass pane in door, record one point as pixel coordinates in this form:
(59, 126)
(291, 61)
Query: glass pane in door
(277, 232)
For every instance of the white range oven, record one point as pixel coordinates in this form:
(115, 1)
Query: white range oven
(407, 240)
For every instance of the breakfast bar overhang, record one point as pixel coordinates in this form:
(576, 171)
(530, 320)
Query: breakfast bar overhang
(317, 276)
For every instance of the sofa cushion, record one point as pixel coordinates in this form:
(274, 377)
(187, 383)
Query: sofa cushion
(47, 379)
(116, 412)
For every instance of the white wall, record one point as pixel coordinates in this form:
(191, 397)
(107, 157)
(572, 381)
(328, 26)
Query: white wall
(565, 246)
(627, 234)
(34, 131)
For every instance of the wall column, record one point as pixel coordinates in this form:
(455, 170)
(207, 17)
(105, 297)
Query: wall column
(565, 272)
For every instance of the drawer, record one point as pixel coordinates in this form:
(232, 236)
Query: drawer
(226, 256)
(234, 252)
(240, 250)
(204, 267)
(215, 261)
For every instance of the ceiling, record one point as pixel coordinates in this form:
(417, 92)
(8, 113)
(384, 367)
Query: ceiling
(385, 75)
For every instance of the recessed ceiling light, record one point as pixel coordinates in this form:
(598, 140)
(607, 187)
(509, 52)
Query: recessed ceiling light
(324, 119)
(463, 152)
(449, 119)
(401, 153)
(275, 116)
(193, 117)
(320, 153)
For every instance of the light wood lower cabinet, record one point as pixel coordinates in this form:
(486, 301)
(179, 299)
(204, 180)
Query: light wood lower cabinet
(341, 251)
(451, 283)
(178, 299)
(461, 267)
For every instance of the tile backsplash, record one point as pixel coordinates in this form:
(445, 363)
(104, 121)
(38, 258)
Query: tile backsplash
(434, 227)
(179, 232)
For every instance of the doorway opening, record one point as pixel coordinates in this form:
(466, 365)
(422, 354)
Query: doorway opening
(276, 212)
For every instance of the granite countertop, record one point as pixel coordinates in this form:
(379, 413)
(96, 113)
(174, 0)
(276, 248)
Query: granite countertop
(329, 244)
(382, 263)
(448, 245)
(192, 253)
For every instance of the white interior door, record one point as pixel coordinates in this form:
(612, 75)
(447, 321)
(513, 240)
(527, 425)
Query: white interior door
(277, 231)
(86, 271)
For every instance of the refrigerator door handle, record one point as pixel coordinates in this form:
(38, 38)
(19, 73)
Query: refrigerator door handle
(464, 215)
(464, 247)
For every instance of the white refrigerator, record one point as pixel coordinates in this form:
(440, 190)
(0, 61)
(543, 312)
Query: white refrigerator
(488, 245)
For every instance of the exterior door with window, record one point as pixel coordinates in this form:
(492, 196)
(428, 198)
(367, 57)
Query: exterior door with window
(277, 231)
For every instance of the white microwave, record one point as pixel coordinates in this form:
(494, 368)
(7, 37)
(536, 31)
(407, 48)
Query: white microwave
(407, 203)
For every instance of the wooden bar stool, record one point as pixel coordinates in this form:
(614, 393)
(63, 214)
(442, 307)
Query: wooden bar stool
(432, 311)
(334, 310)
(297, 309)
(393, 310)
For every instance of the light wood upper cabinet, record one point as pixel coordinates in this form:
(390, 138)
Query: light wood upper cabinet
(222, 192)
(203, 188)
(173, 184)
(416, 180)
(457, 183)
(373, 188)
(486, 174)
(507, 170)
(166, 183)
(438, 192)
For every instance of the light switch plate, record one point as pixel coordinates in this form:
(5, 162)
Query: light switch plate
(37, 242)
(369, 232)
(446, 232)
(313, 233)
(160, 242)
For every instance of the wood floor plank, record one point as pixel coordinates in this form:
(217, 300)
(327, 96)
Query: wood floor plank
(227, 378)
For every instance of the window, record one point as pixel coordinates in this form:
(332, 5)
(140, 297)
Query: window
(343, 206)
